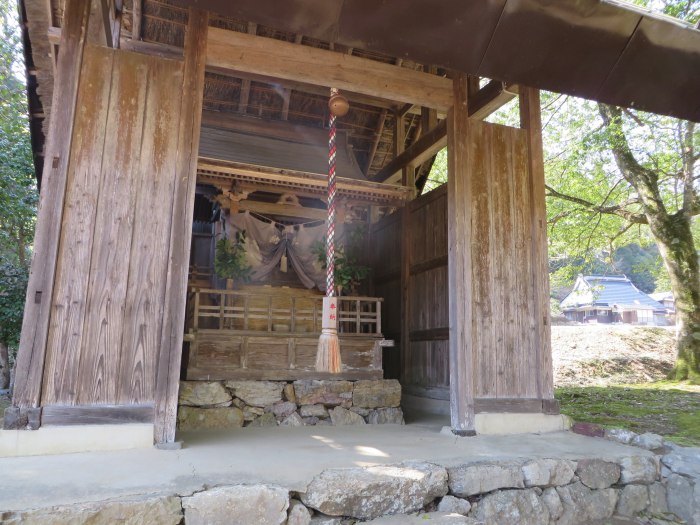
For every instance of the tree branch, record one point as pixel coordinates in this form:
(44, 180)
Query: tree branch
(613, 209)
(644, 180)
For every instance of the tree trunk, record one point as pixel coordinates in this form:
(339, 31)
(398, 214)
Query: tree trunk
(673, 235)
(4, 366)
(675, 241)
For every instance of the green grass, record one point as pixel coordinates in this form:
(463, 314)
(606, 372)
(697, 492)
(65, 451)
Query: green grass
(669, 408)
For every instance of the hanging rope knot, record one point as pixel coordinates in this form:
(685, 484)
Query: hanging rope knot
(328, 355)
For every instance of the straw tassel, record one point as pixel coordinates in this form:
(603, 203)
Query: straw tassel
(328, 354)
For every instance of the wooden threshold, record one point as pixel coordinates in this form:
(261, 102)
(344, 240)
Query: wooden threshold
(221, 374)
(96, 415)
(484, 405)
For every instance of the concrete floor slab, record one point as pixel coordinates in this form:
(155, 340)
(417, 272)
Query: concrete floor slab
(289, 457)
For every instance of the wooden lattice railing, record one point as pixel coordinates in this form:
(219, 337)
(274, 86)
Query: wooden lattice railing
(270, 311)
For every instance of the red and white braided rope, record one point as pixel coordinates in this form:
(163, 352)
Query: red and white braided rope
(330, 233)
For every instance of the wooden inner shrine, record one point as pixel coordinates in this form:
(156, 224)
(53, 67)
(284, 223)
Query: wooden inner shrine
(167, 121)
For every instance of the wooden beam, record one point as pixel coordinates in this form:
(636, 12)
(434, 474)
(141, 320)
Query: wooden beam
(405, 110)
(481, 105)
(103, 25)
(286, 97)
(531, 121)
(490, 98)
(247, 53)
(429, 120)
(245, 83)
(417, 153)
(285, 210)
(175, 53)
(32, 348)
(96, 415)
(136, 19)
(459, 266)
(375, 143)
(151, 48)
(168, 373)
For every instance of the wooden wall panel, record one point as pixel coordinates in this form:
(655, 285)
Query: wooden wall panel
(385, 242)
(107, 309)
(113, 230)
(149, 248)
(65, 337)
(426, 361)
(504, 329)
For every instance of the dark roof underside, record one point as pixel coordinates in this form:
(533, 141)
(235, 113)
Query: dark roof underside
(263, 151)
(594, 49)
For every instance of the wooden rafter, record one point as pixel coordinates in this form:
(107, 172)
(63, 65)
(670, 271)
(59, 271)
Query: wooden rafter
(377, 139)
(136, 19)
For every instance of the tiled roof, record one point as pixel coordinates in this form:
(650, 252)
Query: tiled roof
(601, 290)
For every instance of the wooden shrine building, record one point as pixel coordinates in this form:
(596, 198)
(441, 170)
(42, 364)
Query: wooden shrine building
(150, 116)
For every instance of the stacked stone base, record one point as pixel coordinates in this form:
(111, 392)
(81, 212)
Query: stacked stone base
(214, 405)
(522, 492)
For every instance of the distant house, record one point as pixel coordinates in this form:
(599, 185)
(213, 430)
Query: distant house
(666, 299)
(611, 299)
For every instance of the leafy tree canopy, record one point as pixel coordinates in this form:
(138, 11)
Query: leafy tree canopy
(18, 195)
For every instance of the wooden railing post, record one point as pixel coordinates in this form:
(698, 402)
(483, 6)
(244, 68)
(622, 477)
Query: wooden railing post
(195, 322)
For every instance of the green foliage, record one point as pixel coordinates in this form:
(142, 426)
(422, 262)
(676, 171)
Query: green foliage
(13, 286)
(438, 173)
(230, 260)
(18, 194)
(348, 272)
(641, 264)
(688, 10)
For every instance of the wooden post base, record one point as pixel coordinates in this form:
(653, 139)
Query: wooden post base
(16, 418)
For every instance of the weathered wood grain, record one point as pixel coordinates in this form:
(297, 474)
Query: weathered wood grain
(531, 120)
(106, 320)
(265, 56)
(168, 371)
(96, 415)
(68, 310)
(460, 213)
(32, 351)
(213, 355)
(149, 246)
(113, 230)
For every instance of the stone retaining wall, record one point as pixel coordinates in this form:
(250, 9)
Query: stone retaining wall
(654, 489)
(229, 404)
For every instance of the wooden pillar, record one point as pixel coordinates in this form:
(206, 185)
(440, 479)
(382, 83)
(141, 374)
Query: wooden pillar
(32, 348)
(168, 372)
(399, 146)
(531, 121)
(459, 191)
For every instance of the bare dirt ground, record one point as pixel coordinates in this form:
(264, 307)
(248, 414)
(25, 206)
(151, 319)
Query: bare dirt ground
(601, 355)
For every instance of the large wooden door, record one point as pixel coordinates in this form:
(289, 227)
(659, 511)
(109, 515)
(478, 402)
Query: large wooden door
(109, 294)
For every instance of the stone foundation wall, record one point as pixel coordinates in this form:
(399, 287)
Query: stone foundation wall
(229, 404)
(652, 489)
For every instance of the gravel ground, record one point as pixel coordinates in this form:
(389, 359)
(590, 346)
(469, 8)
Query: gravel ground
(600, 355)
